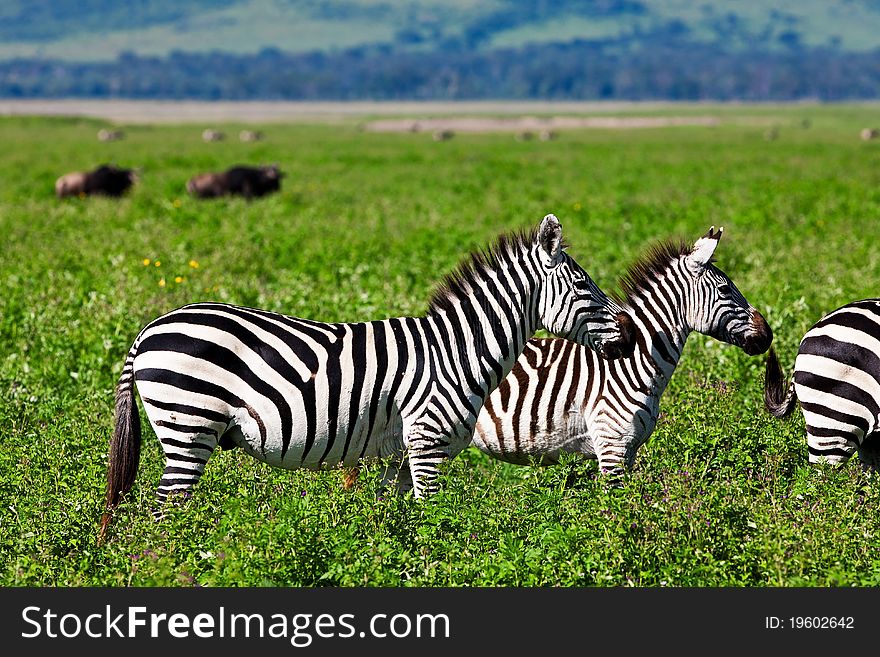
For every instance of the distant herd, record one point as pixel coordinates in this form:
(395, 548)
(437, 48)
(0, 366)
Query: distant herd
(239, 180)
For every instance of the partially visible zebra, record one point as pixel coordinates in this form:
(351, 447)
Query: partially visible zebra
(560, 398)
(837, 381)
(299, 393)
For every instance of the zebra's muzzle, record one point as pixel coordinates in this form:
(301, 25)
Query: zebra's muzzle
(624, 345)
(758, 340)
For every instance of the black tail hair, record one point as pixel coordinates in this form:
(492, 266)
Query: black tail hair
(125, 445)
(778, 401)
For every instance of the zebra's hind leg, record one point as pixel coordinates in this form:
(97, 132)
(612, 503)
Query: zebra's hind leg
(185, 460)
(834, 448)
(869, 453)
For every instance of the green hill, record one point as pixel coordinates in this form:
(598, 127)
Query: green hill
(94, 30)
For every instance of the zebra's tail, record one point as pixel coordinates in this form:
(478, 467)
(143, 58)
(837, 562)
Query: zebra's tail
(779, 402)
(125, 444)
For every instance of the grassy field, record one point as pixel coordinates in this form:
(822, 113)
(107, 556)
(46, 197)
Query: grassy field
(363, 228)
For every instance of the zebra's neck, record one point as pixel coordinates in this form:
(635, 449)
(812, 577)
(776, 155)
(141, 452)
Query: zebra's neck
(661, 319)
(487, 329)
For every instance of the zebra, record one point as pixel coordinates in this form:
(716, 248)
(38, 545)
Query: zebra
(298, 393)
(837, 381)
(559, 398)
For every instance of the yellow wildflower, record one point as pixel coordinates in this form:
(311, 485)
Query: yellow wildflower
(194, 264)
(178, 279)
(147, 261)
(161, 282)
(158, 264)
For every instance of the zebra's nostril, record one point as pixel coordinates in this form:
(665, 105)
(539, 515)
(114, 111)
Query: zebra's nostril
(760, 338)
(627, 334)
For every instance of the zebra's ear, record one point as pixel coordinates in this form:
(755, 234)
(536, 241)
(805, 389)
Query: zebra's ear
(704, 247)
(550, 237)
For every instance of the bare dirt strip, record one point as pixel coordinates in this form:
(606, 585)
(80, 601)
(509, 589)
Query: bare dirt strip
(533, 123)
(151, 111)
(526, 118)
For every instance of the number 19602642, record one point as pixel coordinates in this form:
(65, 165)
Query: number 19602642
(810, 623)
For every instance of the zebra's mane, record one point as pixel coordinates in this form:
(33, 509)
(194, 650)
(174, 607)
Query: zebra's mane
(650, 266)
(457, 284)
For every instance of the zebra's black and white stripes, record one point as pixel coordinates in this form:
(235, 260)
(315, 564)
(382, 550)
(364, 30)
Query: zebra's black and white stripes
(299, 393)
(837, 381)
(560, 398)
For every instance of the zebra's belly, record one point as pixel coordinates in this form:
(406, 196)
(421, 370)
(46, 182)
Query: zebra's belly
(321, 448)
(525, 444)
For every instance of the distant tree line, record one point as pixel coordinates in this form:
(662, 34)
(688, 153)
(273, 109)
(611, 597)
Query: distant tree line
(581, 70)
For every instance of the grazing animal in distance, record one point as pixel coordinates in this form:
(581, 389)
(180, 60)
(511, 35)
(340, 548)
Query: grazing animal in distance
(110, 135)
(241, 180)
(560, 398)
(867, 134)
(297, 393)
(443, 135)
(105, 180)
(837, 382)
(250, 135)
(209, 135)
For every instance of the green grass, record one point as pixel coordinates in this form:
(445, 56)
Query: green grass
(363, 228)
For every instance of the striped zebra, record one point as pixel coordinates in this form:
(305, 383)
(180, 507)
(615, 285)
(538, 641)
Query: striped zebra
(837, 381)
(296, 393)
(561, 398)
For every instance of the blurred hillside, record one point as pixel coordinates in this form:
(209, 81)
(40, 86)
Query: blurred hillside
(341, 49)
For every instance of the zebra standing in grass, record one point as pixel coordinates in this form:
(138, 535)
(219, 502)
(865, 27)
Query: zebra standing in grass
(837, 381)
(560, 398)
(297, 393)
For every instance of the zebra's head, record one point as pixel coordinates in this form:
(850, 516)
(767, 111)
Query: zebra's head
(571, 305)
(716, 307)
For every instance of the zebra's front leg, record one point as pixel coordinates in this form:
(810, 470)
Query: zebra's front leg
(396, 472)
(426, 450)
(616, 455)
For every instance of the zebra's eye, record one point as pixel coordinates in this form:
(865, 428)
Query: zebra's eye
(581, 285)
(724, 289)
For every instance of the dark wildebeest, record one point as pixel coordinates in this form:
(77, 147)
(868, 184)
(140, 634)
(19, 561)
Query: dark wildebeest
(106, 180)
(239, 180)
